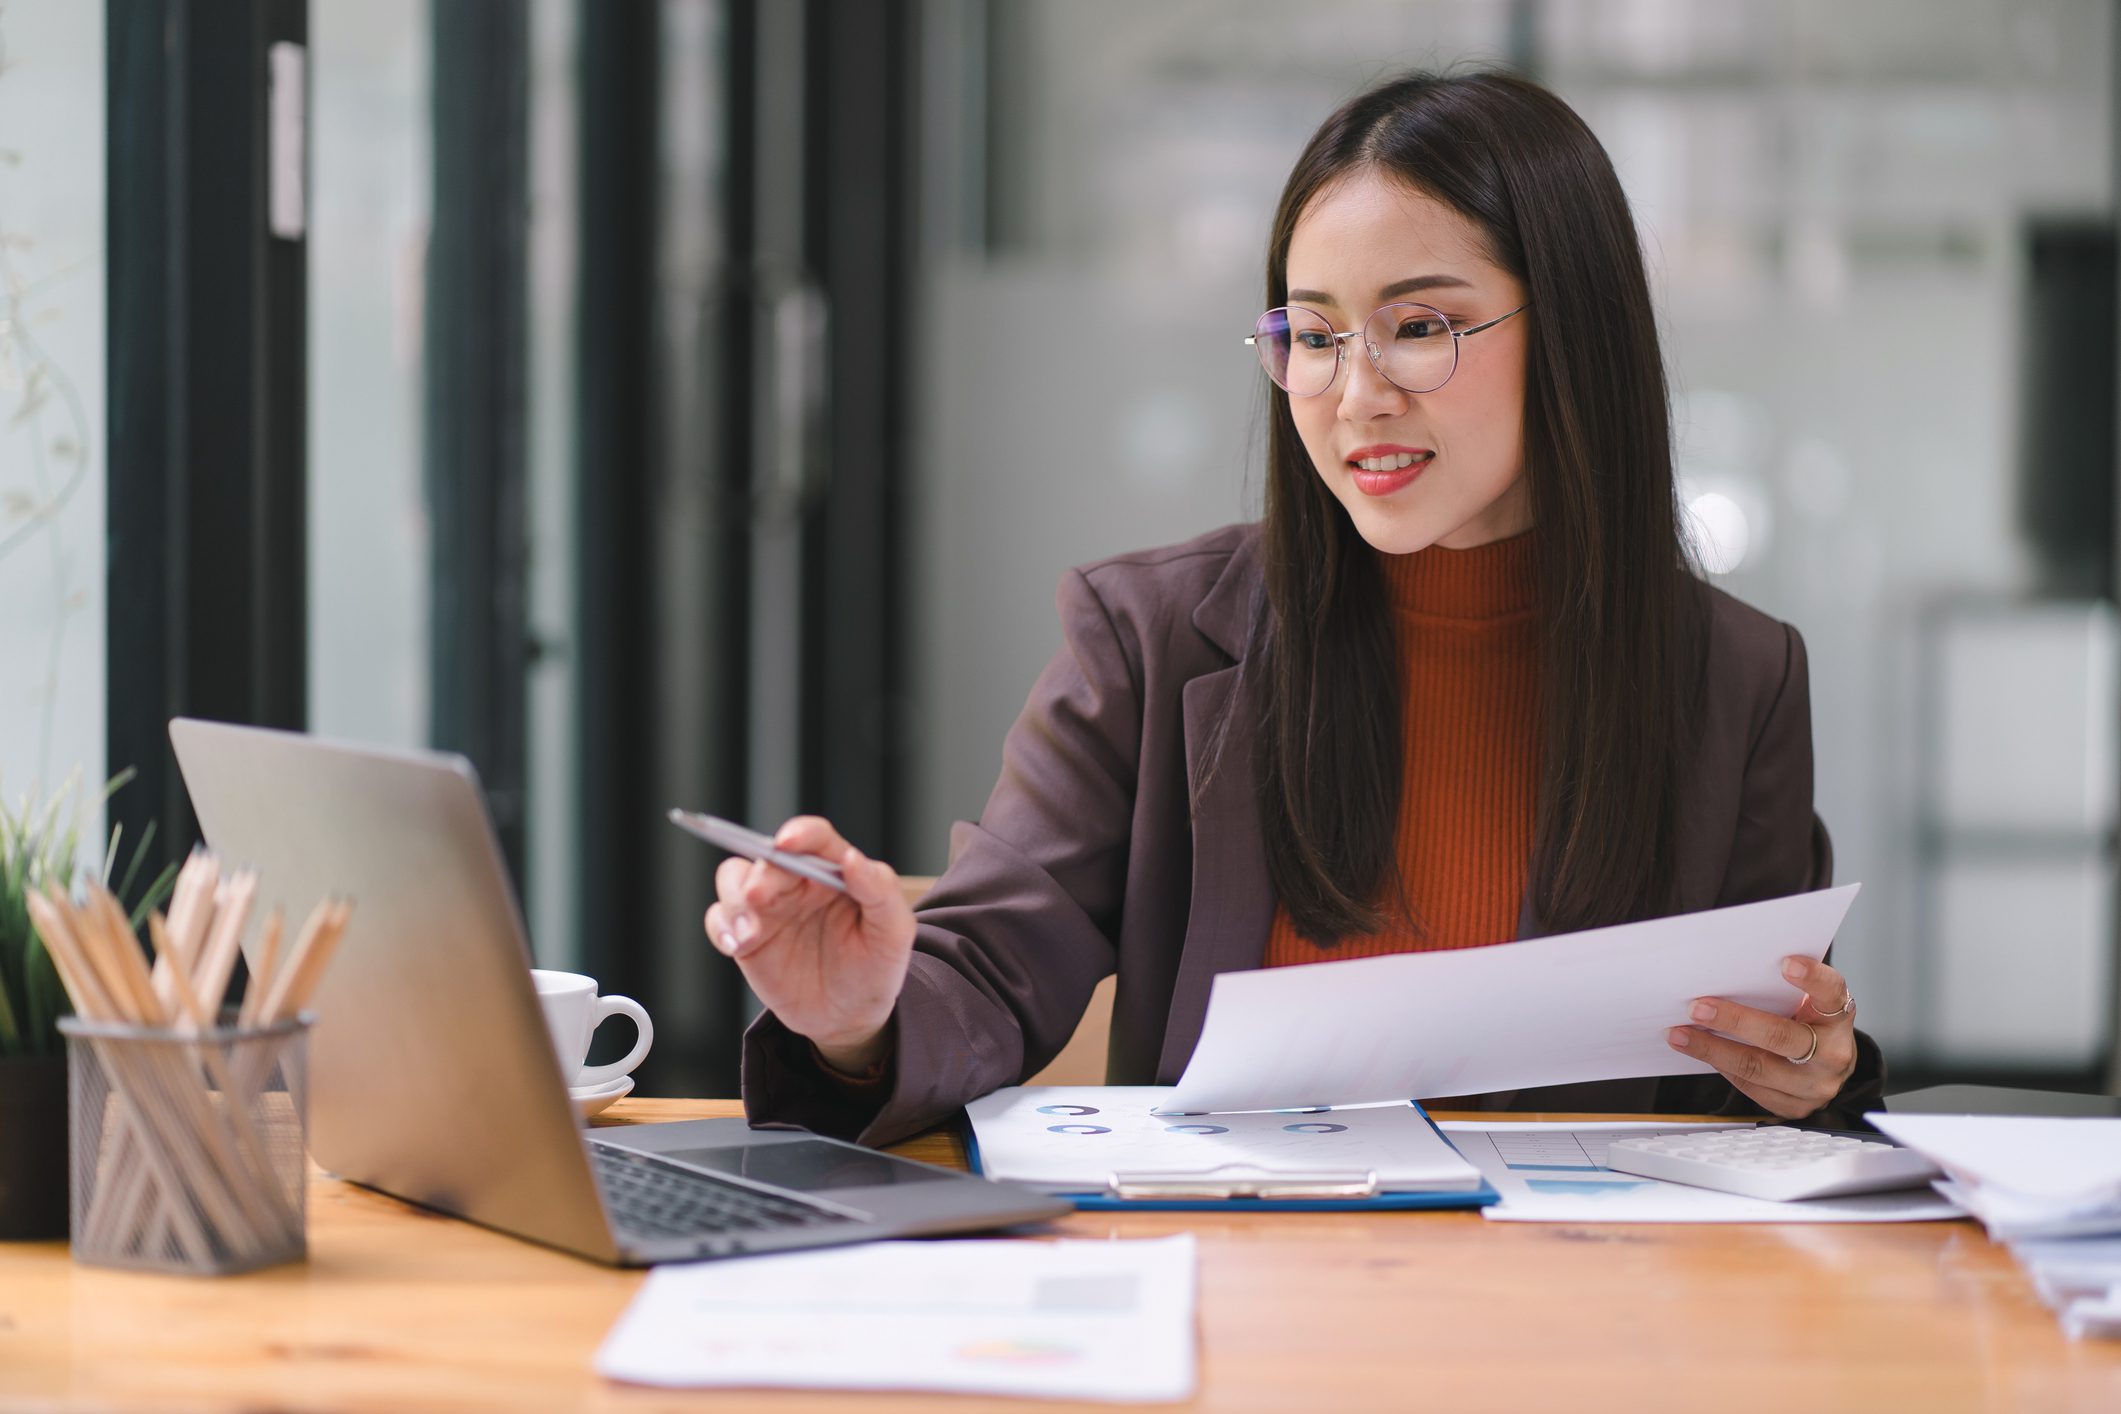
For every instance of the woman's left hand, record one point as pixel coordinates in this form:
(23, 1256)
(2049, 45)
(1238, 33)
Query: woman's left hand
(1788, 1065)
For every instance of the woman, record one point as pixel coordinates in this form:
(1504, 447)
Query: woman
(1458, 686)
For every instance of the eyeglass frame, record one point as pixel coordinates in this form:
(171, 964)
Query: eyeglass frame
(1340, 343)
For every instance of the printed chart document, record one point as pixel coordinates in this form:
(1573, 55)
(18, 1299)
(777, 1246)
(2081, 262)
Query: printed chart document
(1076, 1139)
(1557, 1173)
(1065, 1320)
(1579, 1006)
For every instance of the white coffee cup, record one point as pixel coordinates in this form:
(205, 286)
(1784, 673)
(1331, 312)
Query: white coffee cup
(573, 1010)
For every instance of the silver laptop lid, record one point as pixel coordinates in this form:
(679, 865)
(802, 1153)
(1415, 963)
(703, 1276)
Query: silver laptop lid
(432, 1073)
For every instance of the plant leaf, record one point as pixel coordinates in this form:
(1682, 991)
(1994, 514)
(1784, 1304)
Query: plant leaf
(47, 1001)
(132, 870)
(14, 948)
(165, 883)
(40, 842)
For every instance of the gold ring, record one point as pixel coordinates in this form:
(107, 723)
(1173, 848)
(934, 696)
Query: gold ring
(1800, 1060)
(1848, 999)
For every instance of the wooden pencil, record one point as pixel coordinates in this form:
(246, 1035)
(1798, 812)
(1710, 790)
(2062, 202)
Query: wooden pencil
(223, 1180)
(216, 961)
(255, 990)
(188, 897)
(103, 998)
(232, 1141)
(293, 969)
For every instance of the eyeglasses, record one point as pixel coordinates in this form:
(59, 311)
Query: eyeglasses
(1412, 346)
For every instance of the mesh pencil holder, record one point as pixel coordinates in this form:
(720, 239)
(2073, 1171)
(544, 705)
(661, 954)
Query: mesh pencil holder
(189, 1148)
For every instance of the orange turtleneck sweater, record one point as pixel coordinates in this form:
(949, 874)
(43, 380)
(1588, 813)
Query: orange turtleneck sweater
(1469, 653)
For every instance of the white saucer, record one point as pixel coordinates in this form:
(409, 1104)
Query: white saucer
(595, 1099)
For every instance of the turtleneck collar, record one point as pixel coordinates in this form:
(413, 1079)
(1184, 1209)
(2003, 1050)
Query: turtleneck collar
(1486, 582)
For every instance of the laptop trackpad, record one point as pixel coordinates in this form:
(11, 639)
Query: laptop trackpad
(802, 1165)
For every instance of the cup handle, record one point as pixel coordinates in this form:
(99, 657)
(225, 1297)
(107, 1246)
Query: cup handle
(618, 1006)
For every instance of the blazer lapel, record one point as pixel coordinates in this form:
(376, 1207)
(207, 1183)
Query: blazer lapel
(1232, 903)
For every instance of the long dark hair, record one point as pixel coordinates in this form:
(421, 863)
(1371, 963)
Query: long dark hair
(1621, 608)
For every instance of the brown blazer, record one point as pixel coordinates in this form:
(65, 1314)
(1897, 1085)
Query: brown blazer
(1088, 859)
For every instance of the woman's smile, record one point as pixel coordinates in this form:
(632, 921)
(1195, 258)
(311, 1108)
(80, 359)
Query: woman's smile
(1385, 467)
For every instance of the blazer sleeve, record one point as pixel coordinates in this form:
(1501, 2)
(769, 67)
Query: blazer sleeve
(1781, 847)
(1020, 927)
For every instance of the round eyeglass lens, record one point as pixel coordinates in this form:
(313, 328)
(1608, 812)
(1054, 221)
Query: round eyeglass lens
(1298, 350)
(1411, 344)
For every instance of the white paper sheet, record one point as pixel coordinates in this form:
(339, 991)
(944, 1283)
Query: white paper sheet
(1557, 1173)
(1545, 1011)
(2009, 1216)
(2094, 1316)
(1075, 1320)
(2065, 1270)
(2071, 1162)
(1072, 1139)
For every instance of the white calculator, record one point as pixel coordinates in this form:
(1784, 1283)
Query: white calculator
(1773, 1162)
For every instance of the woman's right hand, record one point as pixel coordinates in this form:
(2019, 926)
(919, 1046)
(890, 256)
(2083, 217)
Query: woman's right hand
(828, 964)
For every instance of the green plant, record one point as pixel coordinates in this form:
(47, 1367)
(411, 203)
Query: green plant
(40, 844)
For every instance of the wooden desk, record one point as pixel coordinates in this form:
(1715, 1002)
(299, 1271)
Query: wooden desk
(401, 1309)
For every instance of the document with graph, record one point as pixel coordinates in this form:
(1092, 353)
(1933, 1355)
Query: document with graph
(1548, 1172)
(1069, 1139)
(1594, 1005)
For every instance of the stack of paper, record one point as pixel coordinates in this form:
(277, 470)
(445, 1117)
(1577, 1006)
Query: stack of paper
(2049, 1187)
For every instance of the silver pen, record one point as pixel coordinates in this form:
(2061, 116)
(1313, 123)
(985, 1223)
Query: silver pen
(728, 835)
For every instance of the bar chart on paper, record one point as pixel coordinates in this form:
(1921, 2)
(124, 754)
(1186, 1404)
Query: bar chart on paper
(1549, 1172)
(1575, 1151)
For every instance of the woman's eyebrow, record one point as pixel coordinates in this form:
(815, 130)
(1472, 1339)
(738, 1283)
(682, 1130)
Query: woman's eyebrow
(1392, 291)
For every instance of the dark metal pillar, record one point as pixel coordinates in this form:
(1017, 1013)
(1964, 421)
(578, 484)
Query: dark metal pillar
(477, 297)
(207, 332)
(859, 246)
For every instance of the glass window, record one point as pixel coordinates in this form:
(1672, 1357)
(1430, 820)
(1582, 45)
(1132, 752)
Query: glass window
(51, 396)
(370, 136)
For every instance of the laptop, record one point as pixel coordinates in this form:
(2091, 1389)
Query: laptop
(432, 1073)
(2002, 1100)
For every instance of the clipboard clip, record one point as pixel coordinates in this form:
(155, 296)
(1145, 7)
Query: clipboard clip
(1214, 1184)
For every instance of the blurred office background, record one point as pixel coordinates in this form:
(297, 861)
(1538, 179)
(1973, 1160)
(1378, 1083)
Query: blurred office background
(682, 402)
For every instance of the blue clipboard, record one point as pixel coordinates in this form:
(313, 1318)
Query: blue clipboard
(1480, 1197)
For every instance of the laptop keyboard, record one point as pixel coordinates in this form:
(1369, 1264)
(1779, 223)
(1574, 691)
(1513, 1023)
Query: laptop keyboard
(647, 1196)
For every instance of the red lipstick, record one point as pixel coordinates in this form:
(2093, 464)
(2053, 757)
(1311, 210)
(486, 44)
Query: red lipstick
(1391, 477)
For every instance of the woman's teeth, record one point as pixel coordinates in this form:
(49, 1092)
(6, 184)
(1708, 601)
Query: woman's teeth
(1393, 463)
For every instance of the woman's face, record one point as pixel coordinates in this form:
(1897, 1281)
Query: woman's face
(1366, 241)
